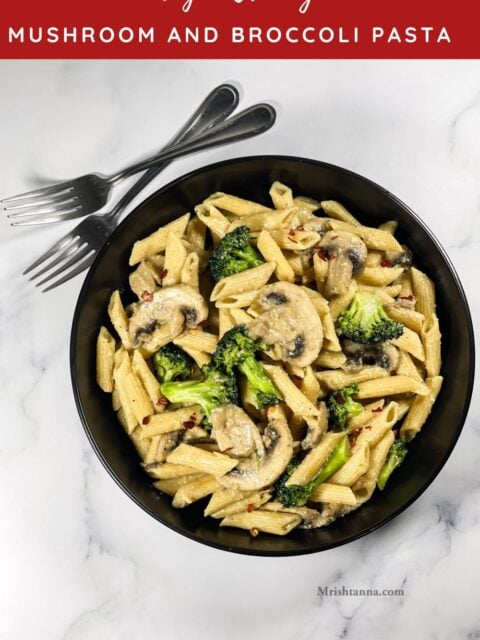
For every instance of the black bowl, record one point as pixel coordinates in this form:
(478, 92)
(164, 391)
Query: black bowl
(251, 178)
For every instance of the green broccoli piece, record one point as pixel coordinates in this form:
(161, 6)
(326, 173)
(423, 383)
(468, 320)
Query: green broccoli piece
(365, 321)
(217, 388)
(395, 457)
(236, 350)
(341, 406)
(172, 363)
(297, 495)
(234, 254)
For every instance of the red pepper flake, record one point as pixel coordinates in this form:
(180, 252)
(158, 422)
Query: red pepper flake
(254, 532)
(250, 507)
(369, 426)
(353, 436)
(301, 228)
(203, 323)
(393, 372)
(321, 254)
(146, 296)
(164, 274)
(162, 402)
(377, 410)
(193, 417)
(409, 298)
(385, 263)
(291, 233)
(146, 420)
(332, 256)
(189, 424)
(334, 237)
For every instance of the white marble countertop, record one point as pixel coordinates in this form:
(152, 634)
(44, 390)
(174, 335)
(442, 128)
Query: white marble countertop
(78, 559)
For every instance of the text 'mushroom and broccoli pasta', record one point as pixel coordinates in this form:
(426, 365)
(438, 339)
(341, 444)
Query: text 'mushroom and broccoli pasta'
(277, 360)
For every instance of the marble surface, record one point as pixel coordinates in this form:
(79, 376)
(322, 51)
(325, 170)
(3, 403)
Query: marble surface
(78, 560)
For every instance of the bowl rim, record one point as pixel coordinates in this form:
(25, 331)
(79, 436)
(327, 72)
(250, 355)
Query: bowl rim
(347, 172)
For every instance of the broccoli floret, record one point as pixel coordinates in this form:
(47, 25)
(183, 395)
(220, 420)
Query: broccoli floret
(172, 363)
(234, 254)
(296, 495)
(395, 457)
(216, 389)
(342, 407)
(365, 321)
(236, 350)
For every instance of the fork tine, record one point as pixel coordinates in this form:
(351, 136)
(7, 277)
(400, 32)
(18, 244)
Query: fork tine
(44, 206)
(78, 254)
(43, 191)
(71, 274)
(40, 219)
(62, 255)
(61, 244)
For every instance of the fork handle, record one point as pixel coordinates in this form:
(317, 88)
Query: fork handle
(248, 123)
(217, 106)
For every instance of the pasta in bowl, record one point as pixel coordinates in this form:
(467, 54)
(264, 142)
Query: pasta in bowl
(251, 178)
(276, 361)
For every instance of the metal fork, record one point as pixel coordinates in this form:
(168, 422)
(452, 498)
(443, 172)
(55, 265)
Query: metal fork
(89, 193)
(76, 251)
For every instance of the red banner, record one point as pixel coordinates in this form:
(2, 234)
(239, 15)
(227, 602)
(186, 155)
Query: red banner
(194, 29)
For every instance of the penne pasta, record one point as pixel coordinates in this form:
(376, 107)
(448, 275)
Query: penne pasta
(157, 241)
(105, 360)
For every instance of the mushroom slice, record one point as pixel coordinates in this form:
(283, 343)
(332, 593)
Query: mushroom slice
(235, 432)
(162, 317)
(289, 323)
(260, 472)
(384, 354)
(347, 254)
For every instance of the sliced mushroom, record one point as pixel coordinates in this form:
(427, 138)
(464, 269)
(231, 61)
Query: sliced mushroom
(162, 317)
(346, 254)
(235, 432)
(167, 443)
(385, 355)
(289, 323)
(260, 472)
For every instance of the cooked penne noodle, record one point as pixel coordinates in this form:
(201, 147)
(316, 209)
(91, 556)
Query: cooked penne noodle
(249, 280)
(354, 467)
(390, 386)
(420, 409)
(333, 493)
(330, 338)
(369, 412)
(166, 470)
(380, 276)
(331, 359)
(105, 360)
(337, 379)
(194, 490)
(424, 291)
(275, 522)
(406, 366)
(310, 386)
(214, 463)
(198, 340)
(292, 395)
(334, 209)
(138, 398)
(149, 381)
(246, 503)
(295, 240)
(235, 205)
(373, 238)
(281, 195)
(410, 342)
(340, 303)
(272, 253)
(267, 220)
(372, 433)
(175, 254)
(157, 241)
(119, 320)
(365, 485)
(196, 233)
(221, 498)
(226, 321)
(410, 318)
(172, 485)
(168, 421)
(315, 459)
(190, 271)
(431, 343)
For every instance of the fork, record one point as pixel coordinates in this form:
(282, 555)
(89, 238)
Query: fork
(89, 193)
(93, 232)
(76, 251)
